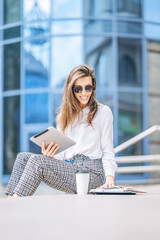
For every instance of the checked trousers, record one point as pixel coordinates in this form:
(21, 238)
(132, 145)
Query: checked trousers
(30, 169)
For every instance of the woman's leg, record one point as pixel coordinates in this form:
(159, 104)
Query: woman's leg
(55, 173)
(17, 171)
(94, 167)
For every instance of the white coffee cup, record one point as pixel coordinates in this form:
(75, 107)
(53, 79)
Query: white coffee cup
(82, 181)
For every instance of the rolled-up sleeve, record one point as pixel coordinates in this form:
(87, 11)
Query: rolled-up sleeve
(108, 154)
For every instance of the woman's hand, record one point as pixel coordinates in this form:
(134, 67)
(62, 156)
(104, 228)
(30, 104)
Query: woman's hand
(50, 150)
(109, 182)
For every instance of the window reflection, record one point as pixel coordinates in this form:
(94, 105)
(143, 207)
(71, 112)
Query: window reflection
(12, 11)
(152, 30)
(11, 126)
(36, 108)
(129, 63)
(36, 16)
(129, 8)
(12, 32)
(129, 27)
(36, 50)
(67, 52)
(36, 65)
(127, 69)
(57, 100)
(12, 66)
(34, 148)
(98, 54)
(130, 121)
(152, 10)
(97, 27)
(105, 96)
(67, 27)
(98, 7)
(36, 10)
(66, 9)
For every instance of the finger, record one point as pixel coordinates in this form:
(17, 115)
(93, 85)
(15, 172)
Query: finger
(53, 150)
(43, 147)
(53, 153)
(49, 147)
(110, 185)
(107, 184)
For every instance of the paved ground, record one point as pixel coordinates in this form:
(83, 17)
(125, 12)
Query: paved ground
(66, 216)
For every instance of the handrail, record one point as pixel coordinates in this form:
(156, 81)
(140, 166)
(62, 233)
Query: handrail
(137, 138)
(138, 158)
(139, 169)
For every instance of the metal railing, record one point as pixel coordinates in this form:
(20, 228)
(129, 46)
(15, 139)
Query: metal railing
(138, 158)
(137, 138)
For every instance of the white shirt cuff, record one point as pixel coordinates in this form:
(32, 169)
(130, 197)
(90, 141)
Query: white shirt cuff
(110, 172)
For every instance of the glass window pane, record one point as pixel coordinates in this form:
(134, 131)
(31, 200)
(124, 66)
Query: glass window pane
(129, 27)
(57, 100)
(129, 8)
(98, 8)
(130, 121)
(77, 27)
(130, 63)
(67, 27)
(12, 66)
(151, 11)
(36, 31)
(99, 54)
(152, 30)
(34, 148)
(12, 11)
(105, 97)
(36, 62)
(96, 27)
(36, 10)
(67, 52)
(65, 8)
(100, 58)
(11, 126)
(36, 13)
(36, 108)
(12, 32)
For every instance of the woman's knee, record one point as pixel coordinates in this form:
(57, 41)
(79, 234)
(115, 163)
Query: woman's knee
(23, 157)
(35, 159)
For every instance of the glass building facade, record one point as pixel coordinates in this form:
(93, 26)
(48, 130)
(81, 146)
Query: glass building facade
(41, 42)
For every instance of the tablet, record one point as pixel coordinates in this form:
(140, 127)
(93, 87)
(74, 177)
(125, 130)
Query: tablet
(51, 134)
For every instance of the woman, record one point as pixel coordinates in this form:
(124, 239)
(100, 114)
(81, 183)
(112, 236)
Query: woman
(86, 121)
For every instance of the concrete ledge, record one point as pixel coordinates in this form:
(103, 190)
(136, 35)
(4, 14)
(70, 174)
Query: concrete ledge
(82, 217)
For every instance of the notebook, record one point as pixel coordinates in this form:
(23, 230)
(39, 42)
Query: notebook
(116, 190)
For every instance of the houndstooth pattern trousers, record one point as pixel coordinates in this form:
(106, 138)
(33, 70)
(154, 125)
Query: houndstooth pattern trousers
(30, 169)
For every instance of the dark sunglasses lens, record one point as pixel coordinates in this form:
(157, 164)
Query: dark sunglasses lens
(89, 88)
(78, 89)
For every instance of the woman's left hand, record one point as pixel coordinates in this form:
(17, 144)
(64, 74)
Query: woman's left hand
(109, 182)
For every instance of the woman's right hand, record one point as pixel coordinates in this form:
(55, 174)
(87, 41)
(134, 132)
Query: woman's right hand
(50, 150)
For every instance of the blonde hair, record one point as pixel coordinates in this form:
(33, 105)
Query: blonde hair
(70, 107)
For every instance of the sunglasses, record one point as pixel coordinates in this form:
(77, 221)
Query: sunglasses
(79, 89)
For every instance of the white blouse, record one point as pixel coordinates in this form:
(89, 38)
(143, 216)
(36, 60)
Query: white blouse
(94, 142)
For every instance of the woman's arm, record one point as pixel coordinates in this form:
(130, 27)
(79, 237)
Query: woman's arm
(108, 154)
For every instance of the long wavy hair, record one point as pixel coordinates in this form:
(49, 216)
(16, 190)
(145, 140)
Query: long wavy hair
(70, 108)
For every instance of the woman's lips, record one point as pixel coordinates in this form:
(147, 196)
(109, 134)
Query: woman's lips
(83, 98)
